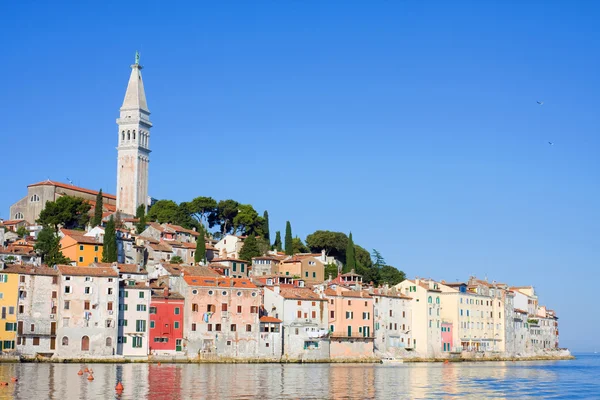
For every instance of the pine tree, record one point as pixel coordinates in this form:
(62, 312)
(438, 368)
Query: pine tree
(350, 255)
(289, 241)
(200, 254)
(265, 226)
(98, 210)
(277, 242)
(140, 214)
(250, 249)
(109, 249)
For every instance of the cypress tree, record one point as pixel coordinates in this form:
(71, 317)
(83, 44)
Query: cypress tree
(200, 254)
(140, 214)
(289, 244)
(277, 243)
(350, 255)
(265, 227)
(109, 248)
(250, 249)
(98, 209)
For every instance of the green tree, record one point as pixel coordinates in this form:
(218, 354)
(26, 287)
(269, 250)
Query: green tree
(350, 255)
(277, 242)
(201, 208)
(200, 254)
(224, 215)
(391, 275)
(247, 221)
(48, 246)
(140, 214)
(331, 269)
(289, 245)
(97, 220)
(362, 257)
(378, 260)
(176, 260)
(164, 211)
(22, 232)
(263, 245)
(298, 246)
(334, 243)
(265, 226)
(109, 248)
(67, 211)
(250, 249)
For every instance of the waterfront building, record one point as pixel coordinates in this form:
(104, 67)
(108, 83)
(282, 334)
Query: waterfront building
(37, 310)
(350, 323)
(221, 318)
(305, 321)
(426, 319)
(166, 320)
(270, 340)
(87, 312)
(133, 318)
(133, 150)
(79, 248)
(392, 315)
(10, 296)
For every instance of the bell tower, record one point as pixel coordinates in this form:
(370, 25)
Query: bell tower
(133, 144)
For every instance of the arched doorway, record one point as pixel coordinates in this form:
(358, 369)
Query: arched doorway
(85, 343)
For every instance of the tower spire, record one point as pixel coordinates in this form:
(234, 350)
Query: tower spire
(135, 96)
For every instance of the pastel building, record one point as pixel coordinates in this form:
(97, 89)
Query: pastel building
(305, 321)
(392, 314)
(10, 296)
(87, 312)
(80, 249)
(310, 267)
(350, 323)
(221, 317)
(133, 318)
(426, 319)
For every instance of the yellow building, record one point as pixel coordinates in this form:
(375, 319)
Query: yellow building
(81, 249)
(9, 295)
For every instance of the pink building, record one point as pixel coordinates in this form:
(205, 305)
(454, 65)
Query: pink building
(350, 323)
(447, 342)
(221, 317)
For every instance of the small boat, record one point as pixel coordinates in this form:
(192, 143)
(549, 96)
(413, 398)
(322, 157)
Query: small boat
(391, 360)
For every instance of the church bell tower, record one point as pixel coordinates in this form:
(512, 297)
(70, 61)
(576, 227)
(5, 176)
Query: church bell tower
(134, 145)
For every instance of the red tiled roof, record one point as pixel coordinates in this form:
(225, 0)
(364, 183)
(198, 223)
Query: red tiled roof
(300, 294)
(123, 268)
(85, 239)
(88, 271)
(266, 318)
(178, 228)
(346, 293)
(217, 260)
(12, 222)
(72, 187)
(19, 269)
(520, 311)
(219, 282)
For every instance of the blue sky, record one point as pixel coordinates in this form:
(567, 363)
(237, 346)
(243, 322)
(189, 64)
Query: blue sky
(412, 124)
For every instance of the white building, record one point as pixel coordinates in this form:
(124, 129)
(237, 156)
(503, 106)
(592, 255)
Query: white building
(134, 308)
(393, 318)
(87, 312)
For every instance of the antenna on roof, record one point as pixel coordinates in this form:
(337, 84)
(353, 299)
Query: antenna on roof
(70, 181)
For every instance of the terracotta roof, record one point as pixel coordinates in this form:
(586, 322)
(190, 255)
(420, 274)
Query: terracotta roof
(178, 269)
(216, 260)
(12, 222)
(518, 310)
(178, 228)
(346, 293)
(160, 247)
(72, 187)
(159, 292)
(300, 294)
(266, 318)
(86, 239)
(88, 271)
(138, 285)
(398, 295)
(19, 269)
(123, 268)
(130, 220)
(219, 282)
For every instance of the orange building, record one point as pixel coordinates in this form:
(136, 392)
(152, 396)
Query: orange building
(81, 249)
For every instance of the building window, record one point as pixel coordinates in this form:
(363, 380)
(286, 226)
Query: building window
(152, 310)
(141, 294)
(80, 259)
(86, 305)
(177, 310)
(233, 328)
(248, 328)
(218, 327)
(239, 309)
(35, 198)
(19, 215)
(140, 325)
(194, 307)
(152, 325)
(85, 343)
(194, 327)
(88, 290)
(141, 307)
(137, 342)
(109, 306)
(65, 341)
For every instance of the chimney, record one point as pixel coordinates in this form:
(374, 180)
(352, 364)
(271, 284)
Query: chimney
(166, 292)
(330, 278)
(276, 289)
(323, 256)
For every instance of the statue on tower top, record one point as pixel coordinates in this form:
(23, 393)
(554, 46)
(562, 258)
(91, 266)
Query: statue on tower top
(137, 57)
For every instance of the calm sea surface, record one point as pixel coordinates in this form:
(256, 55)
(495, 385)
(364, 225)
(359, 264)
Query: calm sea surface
(577, 379)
